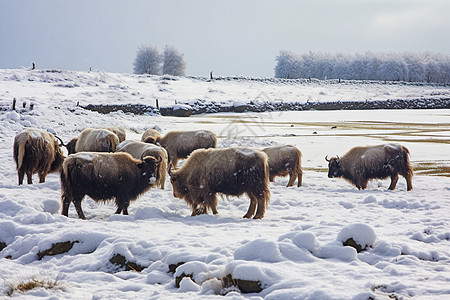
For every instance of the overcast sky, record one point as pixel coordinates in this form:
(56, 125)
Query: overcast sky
(228, 37)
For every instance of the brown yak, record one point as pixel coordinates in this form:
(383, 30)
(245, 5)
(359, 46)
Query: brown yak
(36, 151)
(104, 176)
(139, 150)
(93, 140)
(283, 161)
(361, 164)
(230, 171)
(152, 136)
(119, 131)
(179, 144)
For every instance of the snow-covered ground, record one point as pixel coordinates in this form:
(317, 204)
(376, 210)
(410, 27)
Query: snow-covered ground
(294, 252)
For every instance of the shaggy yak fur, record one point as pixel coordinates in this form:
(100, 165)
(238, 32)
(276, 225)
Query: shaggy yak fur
(93, 140)
(151, 136)
(361, 164)
(104, 176)
(179, 144)
(119, 131)
(139, 150)
(283, 161)
(231, 171)
(36, 151)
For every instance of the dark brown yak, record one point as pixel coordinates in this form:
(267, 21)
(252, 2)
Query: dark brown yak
(152, 136)
(36, 151)
(93, 140)
(104, 176)
(231, 171)
(139, 150)
(362, 164)
(283, 161)
(179, 144)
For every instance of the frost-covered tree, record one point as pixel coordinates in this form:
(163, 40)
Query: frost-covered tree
(173, 62)
(414, 67)
(147, 61)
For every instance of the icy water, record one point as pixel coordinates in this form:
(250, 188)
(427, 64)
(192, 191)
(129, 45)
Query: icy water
(426, 133)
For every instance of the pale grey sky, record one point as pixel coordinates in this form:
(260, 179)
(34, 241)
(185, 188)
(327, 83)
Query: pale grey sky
(229, 37)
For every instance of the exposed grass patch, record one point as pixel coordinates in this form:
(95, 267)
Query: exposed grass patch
(33, 283)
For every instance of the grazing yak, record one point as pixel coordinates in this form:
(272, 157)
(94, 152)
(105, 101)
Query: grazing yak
(230, 171)
(361, 164)
(283, 161)
(119, 131)
(151, 136)
(104, 176)
(93, 140)
(179, 144)
(139, 150)
(36, 151)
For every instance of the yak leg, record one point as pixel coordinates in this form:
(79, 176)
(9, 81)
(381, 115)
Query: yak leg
(252, 207)
(394, 179)
(408, 182)
(21, 174)
(261, 207)
(211, 202)
(300, 177)
(65, 205)
(77, 203)
(42, 176)
(292, 178)
(122, 206)
(29, 177)
(271, 178)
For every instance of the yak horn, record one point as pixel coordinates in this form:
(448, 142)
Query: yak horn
(326, 158)
(170, 170)
(62, 143)
(159, 160)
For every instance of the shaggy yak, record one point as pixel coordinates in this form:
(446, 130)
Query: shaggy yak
(36, 151)
(361, 164)
(139, 150)
(119, 131)
(283, 161)
(179, 144)
(151, 136)
(93, 140)
(231, 171)
(104, 176)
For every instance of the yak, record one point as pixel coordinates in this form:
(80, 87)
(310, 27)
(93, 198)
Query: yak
(119, 131)
(179, 144)
(229, 171)
(36, 151)
(104, 176)
(140, 150)
(151, 136)
(361, 164)
(283, 161)
(93, 140)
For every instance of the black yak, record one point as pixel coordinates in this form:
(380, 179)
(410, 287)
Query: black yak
(104, 176)
(361, 164)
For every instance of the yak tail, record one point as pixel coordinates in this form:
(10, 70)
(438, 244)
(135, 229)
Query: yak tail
(408, 167)
(21, 153)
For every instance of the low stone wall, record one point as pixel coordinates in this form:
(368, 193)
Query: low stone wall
(201, 107)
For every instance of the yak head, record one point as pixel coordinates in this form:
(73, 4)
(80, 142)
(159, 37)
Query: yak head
(179, 186)
(70, 146)
(148, 167)
(334, 167)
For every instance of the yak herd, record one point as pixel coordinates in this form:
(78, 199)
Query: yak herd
(104, 165)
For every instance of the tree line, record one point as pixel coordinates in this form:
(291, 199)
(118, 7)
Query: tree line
(407, 66)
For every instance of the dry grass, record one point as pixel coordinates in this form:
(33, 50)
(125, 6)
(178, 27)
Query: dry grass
(33, 283)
